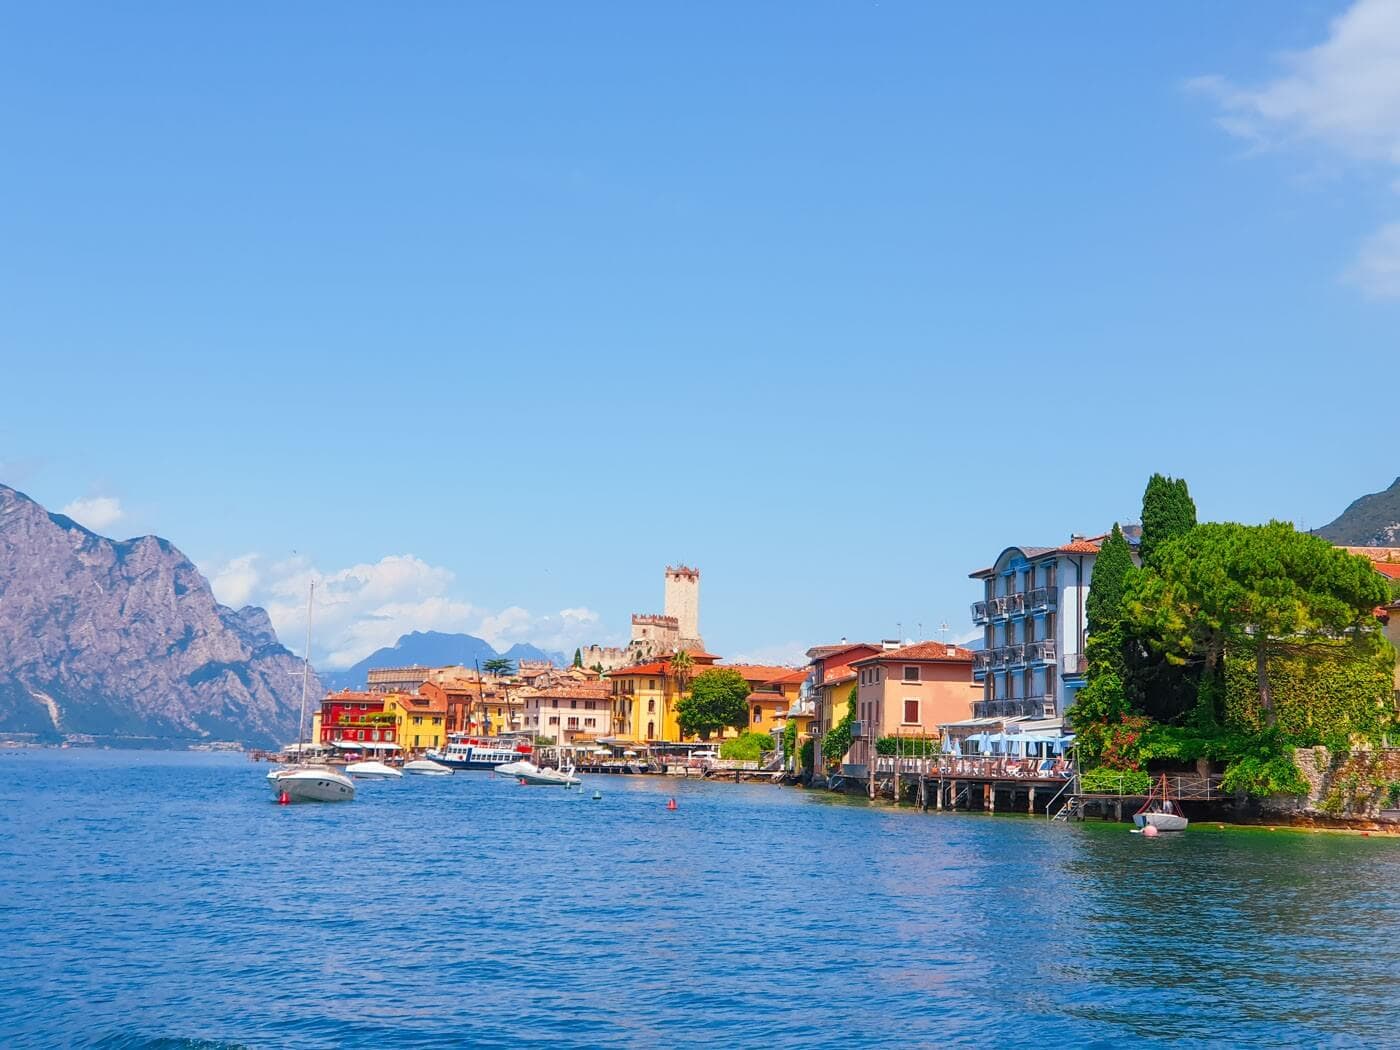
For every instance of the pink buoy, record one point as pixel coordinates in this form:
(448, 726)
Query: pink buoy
(1150, 831)
(671, 804)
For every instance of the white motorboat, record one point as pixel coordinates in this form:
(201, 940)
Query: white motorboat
(372, 770)
(1161, 821)
(548, 777)
(305, 782)
(311, 784)
(425, 767)
(520, 768)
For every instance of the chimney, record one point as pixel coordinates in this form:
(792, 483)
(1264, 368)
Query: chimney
(889, 643)
(952, 650)
(1076, 537)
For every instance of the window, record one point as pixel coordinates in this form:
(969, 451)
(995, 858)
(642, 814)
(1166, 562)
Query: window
(415, 739)
(554, 720)
(573, 705)
(651, 683)
(573, 723)
(651, 730)
(589, 723)
(651, 707)
(757, 715)
(911, 672)
(911, 712)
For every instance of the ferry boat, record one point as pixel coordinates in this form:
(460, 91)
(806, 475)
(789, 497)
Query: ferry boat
(465, 751)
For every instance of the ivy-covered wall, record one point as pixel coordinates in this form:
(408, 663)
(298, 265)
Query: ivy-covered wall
(1362, 783)
(1323, 692)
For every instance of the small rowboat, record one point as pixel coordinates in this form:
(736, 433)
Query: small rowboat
(1159, 811)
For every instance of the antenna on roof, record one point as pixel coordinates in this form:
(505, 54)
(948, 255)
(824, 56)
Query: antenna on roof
(943, 630)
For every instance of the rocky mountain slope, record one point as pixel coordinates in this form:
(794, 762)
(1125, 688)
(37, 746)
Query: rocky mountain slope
(1371, 521)
(123, 640)
(434, 649)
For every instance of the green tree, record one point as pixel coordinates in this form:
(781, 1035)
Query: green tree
(836, 743)
(498, 666)
(1250, 588)
(1114, 564)
(578, 657)
(681, 666)
(1167, 512)
(718, 698)
(789, 740)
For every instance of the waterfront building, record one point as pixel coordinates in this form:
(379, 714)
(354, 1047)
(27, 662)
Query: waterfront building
(911, 691)
(419, 719)
(569, 713)
(396, 679)
(1032, 614)
(772, 690)
(830, 678)
(645, 696)
(356, 720)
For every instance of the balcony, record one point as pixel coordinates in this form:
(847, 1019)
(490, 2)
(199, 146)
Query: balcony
(997, 608)
(1021, 707)
(1042, 599)
(1074, 664)
(981, 661)
(1016, 604)
(979, 614)
(1041, 652)
(1015, 655)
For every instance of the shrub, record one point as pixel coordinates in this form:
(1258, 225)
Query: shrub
(1105, 781)
(807, 754)
(1262, 774)
(839, 740)
(910, 747)
(789, 739)
(747, 747)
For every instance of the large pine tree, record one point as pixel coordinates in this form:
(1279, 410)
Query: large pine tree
(1167, 512)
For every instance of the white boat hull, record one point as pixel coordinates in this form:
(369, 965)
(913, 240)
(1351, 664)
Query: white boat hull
(1161, 821)
(373, 771)
(549, 778)
(311, 785)
(425, 767)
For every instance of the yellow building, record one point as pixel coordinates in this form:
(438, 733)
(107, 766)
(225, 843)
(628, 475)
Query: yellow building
(645, 698)
(418, 720)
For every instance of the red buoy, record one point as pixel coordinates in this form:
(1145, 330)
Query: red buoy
(671, 804)
(283, 799)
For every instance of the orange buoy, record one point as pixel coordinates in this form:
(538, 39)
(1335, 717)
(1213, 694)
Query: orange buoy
(671, 804)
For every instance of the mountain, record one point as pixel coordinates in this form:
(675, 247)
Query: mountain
(434, 649)
(1371, 521)
(123, 641)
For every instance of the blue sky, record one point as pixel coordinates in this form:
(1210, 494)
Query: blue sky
(484, 313)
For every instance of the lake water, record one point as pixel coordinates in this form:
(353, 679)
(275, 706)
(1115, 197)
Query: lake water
(152, 899)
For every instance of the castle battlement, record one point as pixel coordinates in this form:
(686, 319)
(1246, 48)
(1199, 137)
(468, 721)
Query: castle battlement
(655, 620)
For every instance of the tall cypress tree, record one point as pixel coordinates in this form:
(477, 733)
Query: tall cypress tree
(1167, 512)
(578, 657)
(1104, 606)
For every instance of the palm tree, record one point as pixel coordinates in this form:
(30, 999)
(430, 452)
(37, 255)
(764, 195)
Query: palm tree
(498, 665)
(681, 667)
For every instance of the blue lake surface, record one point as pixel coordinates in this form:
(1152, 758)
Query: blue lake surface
(160, 899)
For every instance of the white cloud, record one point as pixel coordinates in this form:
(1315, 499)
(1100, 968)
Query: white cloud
(96, 513)
(1342, 94)
(370, 605)
(1376, 270)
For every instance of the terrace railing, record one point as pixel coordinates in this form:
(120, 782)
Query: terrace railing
(1042, 598)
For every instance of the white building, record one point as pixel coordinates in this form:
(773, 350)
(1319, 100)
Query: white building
(1032, 613)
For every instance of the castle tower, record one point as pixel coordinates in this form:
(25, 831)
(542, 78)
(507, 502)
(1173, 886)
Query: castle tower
(683, 602)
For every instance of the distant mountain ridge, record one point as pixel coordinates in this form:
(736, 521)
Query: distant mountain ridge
(1371, 521)
(434, 649)
(123, 641)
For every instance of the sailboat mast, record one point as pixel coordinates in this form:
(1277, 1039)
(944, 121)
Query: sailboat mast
(305, 667)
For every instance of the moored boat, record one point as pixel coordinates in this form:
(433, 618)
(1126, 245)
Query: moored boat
(372, 770)
(548, 777)
(311, 784)
(1159, 811)
(464, 751)
(426, 767)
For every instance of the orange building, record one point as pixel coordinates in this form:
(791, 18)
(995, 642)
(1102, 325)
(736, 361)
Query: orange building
(911, 691)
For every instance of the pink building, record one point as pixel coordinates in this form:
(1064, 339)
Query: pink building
(911, 691)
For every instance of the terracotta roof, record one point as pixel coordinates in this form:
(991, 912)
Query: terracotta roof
(1389, 569)
(356, 697)
(821, 652)
(837, 679)
(575, 691)
(419, 704)
(1079, 547)
(796, 676)
(761, 672)
(657, 667)
(940, 652)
